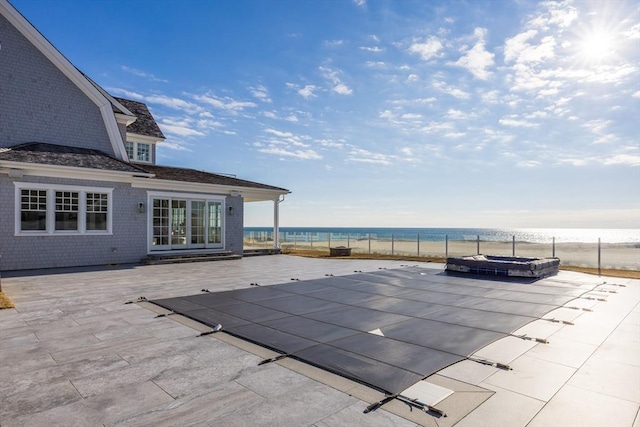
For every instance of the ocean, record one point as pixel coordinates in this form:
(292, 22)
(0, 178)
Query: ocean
(533, 235)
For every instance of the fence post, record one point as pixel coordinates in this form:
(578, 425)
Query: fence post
(309, 238)
(295, 239)
(446, 247)
(348, 241)
(553, 247)
(329, 238)
(418, 244)
(513, 245)
(599, 271)
(478, 244)
(392, 244)
(369, 243)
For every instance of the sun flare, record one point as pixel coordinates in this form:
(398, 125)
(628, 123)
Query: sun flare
(597, 46)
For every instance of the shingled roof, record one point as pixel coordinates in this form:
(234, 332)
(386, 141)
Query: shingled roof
(191, 175)
(145, 124)
(61, 155)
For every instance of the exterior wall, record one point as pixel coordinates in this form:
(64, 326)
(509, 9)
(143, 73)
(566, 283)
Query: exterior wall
(127, 244)
(38, 103)
(234, 224)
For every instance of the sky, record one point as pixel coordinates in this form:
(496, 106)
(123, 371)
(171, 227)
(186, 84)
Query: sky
(383, 113)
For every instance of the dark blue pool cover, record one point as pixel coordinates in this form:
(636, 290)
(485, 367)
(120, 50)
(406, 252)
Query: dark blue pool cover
(388, 329)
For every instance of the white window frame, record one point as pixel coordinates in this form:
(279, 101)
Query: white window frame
(134, 152)
(51, 209)
(130, 147)
(137, 145)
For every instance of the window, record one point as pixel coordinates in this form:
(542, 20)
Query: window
(138, 151)
(144, 152)
(45, 210)
(128, 145)
(67, 210)
(33, 210)
(97, 211)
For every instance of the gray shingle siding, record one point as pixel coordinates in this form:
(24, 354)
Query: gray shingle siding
(127, 244)
(234, 225)
(39, 103)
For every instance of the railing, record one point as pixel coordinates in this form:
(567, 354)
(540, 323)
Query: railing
(623, 256)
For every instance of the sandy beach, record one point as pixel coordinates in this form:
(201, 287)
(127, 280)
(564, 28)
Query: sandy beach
(624, 256)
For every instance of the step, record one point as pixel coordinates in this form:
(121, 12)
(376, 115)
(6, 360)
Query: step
(176, 258)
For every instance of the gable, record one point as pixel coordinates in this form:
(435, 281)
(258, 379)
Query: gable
(44, 97)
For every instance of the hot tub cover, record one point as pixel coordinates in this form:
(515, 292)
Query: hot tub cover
(504, 265)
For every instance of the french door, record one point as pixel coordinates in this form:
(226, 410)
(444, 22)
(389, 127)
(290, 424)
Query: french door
(184, 223)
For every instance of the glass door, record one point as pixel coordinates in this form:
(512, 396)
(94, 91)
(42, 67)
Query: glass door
(214, 229)
(160, 236)
(178, 224)
(198, 224)
(186, 224)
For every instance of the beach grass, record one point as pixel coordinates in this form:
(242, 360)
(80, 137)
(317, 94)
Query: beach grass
(324, 253)
(5, 301)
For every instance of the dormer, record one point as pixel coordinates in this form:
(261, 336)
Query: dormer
(142, 135)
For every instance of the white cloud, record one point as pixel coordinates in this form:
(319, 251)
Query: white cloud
(299, 154)
(333, 43)
(226, 103)
(375, 49)
(308, 91)
(477, 60)
(342, 89)
(513, 121)
(450, 90)
(361, 3)
(143, 74)
(428, 49)
(360, 155)
(623, 159)
(179, 130)
(279, 133)
(261, 93)
(176, 145)
(332, 75)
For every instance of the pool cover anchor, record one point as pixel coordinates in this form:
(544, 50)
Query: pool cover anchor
(170, 313)
(140, 299)
(273, 359)
(498, 365)
(564, 322)
(528, 338)
(413, 403)
(215, 329)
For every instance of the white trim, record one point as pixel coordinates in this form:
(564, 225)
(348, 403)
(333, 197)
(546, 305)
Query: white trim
(68, 69)
(249, 194)
(82, 209)
(56, 171)
(143, 138)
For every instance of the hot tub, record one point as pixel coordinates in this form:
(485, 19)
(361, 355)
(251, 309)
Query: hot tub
(504, 265)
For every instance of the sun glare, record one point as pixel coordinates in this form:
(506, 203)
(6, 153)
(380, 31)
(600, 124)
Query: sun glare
(596, 46)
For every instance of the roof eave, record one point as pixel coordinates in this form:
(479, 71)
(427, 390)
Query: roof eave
(249, 193)
(72, 172)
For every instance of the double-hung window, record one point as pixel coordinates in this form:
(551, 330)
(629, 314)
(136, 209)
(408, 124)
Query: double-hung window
(139, 151)
(43, 209)
(143, 152)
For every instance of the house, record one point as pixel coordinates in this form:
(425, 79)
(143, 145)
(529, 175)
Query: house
(79, 183)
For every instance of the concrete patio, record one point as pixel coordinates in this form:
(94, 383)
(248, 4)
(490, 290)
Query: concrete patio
(73, 354)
